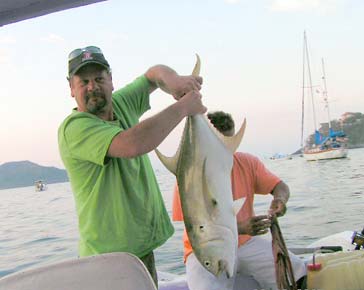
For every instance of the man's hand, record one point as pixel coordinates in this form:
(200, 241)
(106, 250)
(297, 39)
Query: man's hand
(277, 207)
(254, 226)
(280, 197)
(192, 104)
(184, 85)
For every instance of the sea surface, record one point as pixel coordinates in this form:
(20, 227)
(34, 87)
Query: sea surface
(39, 228)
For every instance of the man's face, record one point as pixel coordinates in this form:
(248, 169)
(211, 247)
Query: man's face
(92, 88)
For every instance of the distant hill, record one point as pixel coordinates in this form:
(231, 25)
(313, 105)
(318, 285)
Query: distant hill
(24, 173)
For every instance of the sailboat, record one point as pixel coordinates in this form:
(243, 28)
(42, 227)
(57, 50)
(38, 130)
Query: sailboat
(334, 144)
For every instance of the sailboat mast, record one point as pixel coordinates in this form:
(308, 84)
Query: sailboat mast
(310, 81)
(303, 93)
(324, 93)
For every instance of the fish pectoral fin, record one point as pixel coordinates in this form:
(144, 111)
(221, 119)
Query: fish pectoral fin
(238, 204)
(169, 162)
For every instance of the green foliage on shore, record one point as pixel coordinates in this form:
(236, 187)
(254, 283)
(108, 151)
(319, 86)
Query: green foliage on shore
(353, 126)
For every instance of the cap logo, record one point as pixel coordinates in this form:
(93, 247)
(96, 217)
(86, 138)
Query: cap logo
(86, 56)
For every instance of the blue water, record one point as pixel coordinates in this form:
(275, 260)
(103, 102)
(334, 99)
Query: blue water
(38, 228)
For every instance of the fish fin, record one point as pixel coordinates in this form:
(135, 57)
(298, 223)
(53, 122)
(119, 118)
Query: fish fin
(238, 204)
(197, 68)
(232, 143)
(169, 162)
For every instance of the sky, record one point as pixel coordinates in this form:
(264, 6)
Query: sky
(251, 53)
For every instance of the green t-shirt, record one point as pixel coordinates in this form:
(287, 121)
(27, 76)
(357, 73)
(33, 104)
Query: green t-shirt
(118, 201)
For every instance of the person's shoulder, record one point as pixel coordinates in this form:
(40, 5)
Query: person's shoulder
(67, 119)
(247, 160)
(246, 156)
(140, 82)
(75, 116)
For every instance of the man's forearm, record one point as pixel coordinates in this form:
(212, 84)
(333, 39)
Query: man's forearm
(159, 76)
(165, 78)
(281, 192)
(148, 134)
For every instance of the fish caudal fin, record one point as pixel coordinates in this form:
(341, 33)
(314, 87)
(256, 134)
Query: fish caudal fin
(169, 162)
(197, 68)
(232, 143)
(238, 204)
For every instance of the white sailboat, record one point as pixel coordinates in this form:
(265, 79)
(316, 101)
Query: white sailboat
(332, 146)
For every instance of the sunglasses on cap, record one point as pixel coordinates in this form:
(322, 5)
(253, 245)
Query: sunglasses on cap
(80, 57)
(78, 51)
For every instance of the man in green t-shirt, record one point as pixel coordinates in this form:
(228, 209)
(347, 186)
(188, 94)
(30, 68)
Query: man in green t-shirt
(104, 149)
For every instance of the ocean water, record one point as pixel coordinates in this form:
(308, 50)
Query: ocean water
(39, 228)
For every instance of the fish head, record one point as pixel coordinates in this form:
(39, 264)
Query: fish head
(217, 250)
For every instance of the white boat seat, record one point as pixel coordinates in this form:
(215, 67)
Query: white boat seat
(113, 271)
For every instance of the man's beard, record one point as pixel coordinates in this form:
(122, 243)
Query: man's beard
(96, 102)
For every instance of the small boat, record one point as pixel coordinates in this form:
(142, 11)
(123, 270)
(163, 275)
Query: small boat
(332, 146)
(280, 156)
(338, 257)
(40, 185)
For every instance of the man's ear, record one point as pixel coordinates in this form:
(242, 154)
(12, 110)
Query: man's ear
(70, 85)
(112, 84)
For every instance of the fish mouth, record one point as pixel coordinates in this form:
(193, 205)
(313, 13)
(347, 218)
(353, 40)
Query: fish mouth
(223, 268)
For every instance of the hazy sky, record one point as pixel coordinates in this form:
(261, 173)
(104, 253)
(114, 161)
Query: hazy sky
(251, 54)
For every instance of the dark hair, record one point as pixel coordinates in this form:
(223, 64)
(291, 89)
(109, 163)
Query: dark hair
(222, 121)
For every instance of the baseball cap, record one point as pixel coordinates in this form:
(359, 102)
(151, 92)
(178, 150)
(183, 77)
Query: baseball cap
(83, 56)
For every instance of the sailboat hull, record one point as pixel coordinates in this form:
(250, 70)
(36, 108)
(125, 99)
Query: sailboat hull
(319, 154)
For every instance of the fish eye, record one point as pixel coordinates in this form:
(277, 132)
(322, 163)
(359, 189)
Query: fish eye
(202, 228)
(207, 264)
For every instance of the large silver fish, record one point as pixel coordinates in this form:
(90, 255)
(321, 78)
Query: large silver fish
(202, 165)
